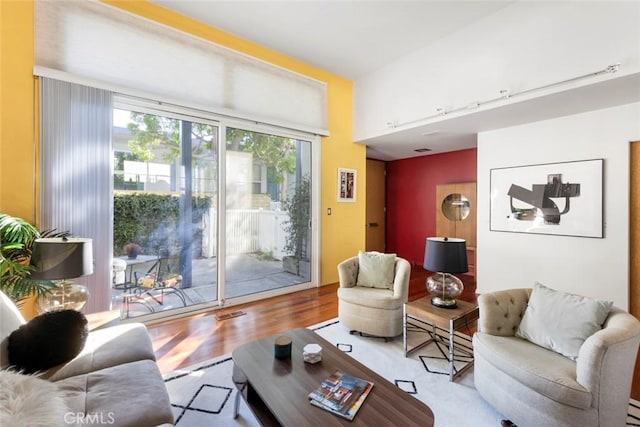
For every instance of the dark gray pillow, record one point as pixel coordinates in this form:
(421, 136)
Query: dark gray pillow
(47, 340)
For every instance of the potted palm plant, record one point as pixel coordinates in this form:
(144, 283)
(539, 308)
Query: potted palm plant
(16, 241)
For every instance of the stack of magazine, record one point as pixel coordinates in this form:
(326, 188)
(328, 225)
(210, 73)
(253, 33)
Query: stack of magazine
(341, 394)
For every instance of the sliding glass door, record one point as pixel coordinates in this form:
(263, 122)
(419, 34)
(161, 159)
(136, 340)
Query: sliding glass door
(268, 212)
(252, 240)
(165, 209)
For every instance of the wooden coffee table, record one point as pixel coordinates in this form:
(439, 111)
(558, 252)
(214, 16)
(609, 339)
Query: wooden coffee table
(276, 390)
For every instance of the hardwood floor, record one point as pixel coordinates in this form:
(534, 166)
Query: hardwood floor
(183, 342)
(186, 341)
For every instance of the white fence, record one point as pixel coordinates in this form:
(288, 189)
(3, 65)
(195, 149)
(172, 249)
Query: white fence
(248, 230)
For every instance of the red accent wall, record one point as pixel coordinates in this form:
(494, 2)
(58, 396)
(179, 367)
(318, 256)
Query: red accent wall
(411, 193)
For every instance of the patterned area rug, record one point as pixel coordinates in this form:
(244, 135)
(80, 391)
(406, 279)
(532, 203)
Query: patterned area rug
(204, 395)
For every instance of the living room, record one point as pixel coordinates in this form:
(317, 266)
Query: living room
(537, 53)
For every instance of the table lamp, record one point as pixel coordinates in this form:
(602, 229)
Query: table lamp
(59, 259)
(444, 255)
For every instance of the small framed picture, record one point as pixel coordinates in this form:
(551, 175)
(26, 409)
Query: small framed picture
(346, 185)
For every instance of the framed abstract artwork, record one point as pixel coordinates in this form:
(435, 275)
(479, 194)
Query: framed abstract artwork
(553, 198)
(346, 185)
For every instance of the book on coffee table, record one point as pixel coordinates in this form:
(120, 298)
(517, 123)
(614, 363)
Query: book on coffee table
(341, 394)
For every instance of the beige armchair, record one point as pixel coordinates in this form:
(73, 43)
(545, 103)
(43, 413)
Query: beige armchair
(534, 386)
(370, 310)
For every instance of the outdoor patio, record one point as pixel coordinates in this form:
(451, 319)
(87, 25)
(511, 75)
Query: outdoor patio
(246, 274)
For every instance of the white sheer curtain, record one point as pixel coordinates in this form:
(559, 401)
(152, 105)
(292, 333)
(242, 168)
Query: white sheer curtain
(76, 184)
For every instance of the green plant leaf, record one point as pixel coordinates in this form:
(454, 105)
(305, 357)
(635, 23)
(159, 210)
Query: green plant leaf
(16, 241)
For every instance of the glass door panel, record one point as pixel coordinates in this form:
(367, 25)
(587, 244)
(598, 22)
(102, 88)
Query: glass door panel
(268, 212)
(165, 207)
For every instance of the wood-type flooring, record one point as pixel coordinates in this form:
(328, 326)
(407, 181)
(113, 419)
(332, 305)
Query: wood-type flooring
(183, 342)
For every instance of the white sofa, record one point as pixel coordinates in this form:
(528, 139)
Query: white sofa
(534, 386)
(114, 379)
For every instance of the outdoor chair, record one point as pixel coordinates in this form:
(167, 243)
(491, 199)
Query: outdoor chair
(125, 286)
(162, 279)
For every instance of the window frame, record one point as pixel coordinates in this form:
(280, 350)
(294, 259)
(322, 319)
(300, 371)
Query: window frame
(126, 102)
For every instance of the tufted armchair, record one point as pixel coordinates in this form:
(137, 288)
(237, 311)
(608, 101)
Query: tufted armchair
(534, 386)
(370, 310)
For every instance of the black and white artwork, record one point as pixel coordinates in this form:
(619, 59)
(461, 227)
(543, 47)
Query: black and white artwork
(553, 198)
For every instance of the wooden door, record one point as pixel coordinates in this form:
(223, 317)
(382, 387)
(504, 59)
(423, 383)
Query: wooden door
(444, 226)
(634, 249)
(466, 228)
(461, 227)
(634, 230)
(376, 206)
(458, 222)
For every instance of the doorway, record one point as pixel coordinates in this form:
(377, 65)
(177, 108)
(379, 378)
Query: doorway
(165, 192)
(268, 212)
(376, 206)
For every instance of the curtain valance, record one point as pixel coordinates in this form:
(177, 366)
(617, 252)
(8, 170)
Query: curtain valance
(95, 41)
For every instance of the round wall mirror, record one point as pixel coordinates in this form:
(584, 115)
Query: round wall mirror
(456, 207)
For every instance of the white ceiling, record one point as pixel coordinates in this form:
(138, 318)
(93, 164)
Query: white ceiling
(356, 37)
(347, 38)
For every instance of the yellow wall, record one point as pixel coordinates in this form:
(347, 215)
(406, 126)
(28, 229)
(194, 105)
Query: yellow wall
(17, 110)
(343, 232)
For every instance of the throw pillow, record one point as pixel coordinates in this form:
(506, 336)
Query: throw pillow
(376, 270)
(560, 321)
(47, 340)
(26, 400)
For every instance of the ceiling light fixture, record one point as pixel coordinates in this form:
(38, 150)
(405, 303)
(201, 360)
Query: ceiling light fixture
(506, 94)
(422, 150)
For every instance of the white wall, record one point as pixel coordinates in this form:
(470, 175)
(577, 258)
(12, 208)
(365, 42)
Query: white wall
(586, 266)
(523, 46)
